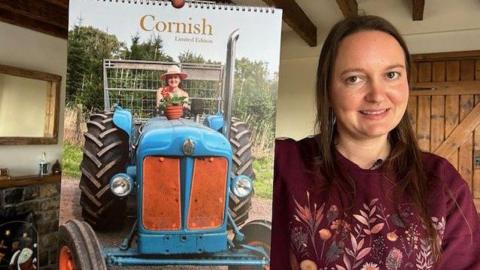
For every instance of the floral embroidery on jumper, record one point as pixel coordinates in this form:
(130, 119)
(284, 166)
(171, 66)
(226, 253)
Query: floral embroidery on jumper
(375, 239)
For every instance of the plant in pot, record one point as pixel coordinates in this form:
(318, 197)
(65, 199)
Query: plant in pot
(172, 105)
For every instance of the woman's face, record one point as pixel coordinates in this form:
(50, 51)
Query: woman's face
(369, 90)
(173, 80)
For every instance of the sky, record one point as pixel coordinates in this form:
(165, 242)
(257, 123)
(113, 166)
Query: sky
(259, 30)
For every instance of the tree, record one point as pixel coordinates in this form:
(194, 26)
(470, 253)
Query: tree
(150, 50)
(77, 64)
(254, 100)
(190, 57)
(87, 48)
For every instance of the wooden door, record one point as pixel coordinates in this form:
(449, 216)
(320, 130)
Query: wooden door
(444, 107)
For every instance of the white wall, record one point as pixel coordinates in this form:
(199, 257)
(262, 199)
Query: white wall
(296, 93)
(28, 49)
(447, 26)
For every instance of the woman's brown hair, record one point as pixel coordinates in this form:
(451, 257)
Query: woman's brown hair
(405, 159)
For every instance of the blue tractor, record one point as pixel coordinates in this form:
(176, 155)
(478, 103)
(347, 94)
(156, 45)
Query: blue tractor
(191, 181)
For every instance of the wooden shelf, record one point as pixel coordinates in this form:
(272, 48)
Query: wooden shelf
(30, 180)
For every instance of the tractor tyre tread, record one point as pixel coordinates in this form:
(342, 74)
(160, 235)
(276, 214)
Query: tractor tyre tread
(242, 164)
(105, 154)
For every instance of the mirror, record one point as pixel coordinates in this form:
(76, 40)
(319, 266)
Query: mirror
(29, 106)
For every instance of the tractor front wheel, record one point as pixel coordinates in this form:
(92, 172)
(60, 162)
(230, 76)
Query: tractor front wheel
(257, 234)
(79, 248)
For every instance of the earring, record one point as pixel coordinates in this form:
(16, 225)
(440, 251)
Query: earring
(333, 120)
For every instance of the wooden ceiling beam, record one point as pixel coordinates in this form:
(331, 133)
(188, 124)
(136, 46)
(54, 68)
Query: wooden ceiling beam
(295, 17)
(39, 10)
(27, 22)
(418, 7)
(60, 3)
(349, 8)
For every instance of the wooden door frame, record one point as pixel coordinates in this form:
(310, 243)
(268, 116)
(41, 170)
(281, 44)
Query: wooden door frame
(446, 56)
(450, 95)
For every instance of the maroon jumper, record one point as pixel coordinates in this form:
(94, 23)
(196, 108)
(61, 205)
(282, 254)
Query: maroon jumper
(378, 232)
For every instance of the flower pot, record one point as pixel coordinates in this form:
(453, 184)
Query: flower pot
(173, 112)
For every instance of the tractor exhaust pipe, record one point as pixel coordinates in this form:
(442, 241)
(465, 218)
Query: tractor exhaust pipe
(229, 81)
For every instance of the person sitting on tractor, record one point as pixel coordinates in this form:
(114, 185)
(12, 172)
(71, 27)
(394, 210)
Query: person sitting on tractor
(173, 80)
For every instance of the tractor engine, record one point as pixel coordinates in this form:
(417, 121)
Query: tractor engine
(182, 177)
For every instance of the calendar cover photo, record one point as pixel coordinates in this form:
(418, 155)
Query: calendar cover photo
(169, 132)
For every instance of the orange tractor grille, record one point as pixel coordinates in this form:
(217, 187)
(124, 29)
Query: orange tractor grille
(207, 199)
(161, 194)
(161, 198)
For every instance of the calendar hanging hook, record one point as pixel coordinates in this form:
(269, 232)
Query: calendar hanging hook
(178, 3)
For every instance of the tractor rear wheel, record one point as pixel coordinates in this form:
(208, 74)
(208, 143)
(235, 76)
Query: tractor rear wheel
(242, 165)
(79, 248)
(105, 154)
(258, 234)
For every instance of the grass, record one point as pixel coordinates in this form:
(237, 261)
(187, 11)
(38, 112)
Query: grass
(72, 156)
(263, 167)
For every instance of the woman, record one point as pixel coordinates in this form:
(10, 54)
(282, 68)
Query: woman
(360, 194)
(173, 79)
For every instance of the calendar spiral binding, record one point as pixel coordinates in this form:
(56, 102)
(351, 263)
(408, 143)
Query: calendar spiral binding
(197, 4)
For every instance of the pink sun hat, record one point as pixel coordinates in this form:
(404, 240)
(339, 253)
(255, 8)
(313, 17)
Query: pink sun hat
(174, 70)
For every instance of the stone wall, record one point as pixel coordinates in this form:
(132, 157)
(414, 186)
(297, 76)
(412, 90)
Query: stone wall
(44, 201)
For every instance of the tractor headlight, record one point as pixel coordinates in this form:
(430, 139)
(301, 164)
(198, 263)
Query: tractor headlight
(242, 186)
(121, 184)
